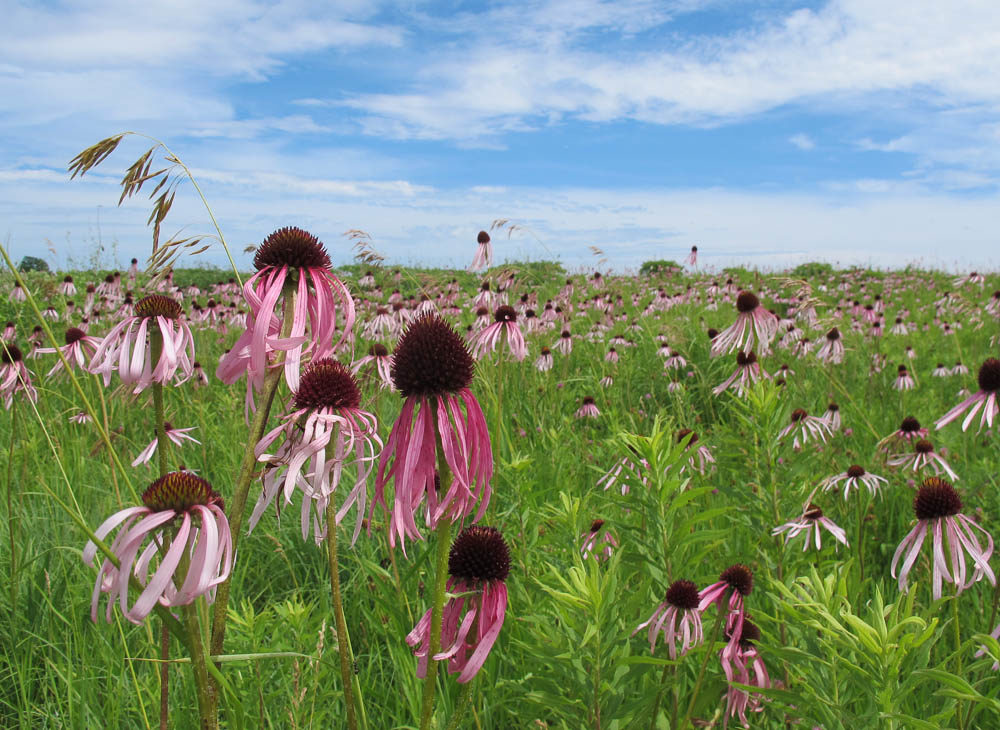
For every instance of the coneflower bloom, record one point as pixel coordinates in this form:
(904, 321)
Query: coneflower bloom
(812, 521)
(701, 458)
(588, 409)
(67, 288)
(611, 355)
(325, 431)
(938, 507)
(17, 294)
(181, 515)
(484, 252)
(832, 349)
(854, 478)
(910, 431)
(923, 455)
(832, 417)
(753, 324)
(748, 371)
(742, 664)
(597, 542)
(565, 343)
(959, 369)
(803, 427)
(692, 259)
(14, 376)
(984, 399)
(941, 371)
(78, 348)
(624, 473)
(504, 327)
(903, 381)
(677, 618)
(293, 259)
(736, 582)
(544, 360)
(379, 355)
(176, 436)
(126, 348)
(432, 369)
(478, 566)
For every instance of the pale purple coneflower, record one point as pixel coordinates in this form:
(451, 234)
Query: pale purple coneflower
(80, 417)
(588, 409)
(67, 287)
(903, 381)
(984, 399)
(804, 427)
(9, 332)
(959, 369)
(565, 343)
(176, 435)
(734, 584)
(478, 566)
(899, 327)
(483, 318)
(677, 618)
(611, 355)
(504, 327)
(701, 458)
(812, 522)
(832, 417)
(753, 325)
(909, 432)
(181, 520)
(937, 507)
(624, 473)
(743, 665)
(748, 371)
(324, 432)
(378, 356)
(17, 294)
(544, 360)
(127, 348)
(483, 258)
(597, 542)
(432, 369)
(14, 376)
(832, 349)
(78, 349)
(692, 258)
(854, 478)
(199, 375)
(941, 371)
(922, 456)
(383, 324)
(367, 281)
(485, 298)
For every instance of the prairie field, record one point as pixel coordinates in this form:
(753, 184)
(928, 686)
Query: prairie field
(793, 550)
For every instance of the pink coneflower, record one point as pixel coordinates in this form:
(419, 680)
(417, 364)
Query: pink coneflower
(325, 431)
(832, 349)
(81, 417)
(748, 371)
(742, 664)
(181, 514)
(677, 618)
(383, 324)
(854, 478)
(288, 260)
(701, 458)
(832, 417)
(432, 369)
(922, 456)
(588, 409)
(910, 431)
(485, 297)
(9, 332)
(985, 399)
(484, 253)
(625, 473)
(78, 348)
(811, 521)
(903, 381)
(753, 324)
(176, 436)
(126, 348)
(565, 343)
(597, 542)
(941, 371)
(17, 294)
(14, 376)
(67, 287)
(199, 375)
(544, 360)
(478, 565)
(504, 327)
(803, 427)
(937, 507)
(367, 281)
(959, 369)
(692, 259)
(611, 356)
(736, 581)
(382, 360)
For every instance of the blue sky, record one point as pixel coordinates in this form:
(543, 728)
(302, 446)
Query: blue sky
(767, 133)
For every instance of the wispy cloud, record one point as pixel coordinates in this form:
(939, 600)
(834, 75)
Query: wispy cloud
(802, 141)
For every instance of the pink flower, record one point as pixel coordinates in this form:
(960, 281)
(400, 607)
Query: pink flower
(503, 327)
(753, 325)
(742, 664)
(812, 520)
(702, 459)
(938, 510)
(748, 371)
(910, 431)
(484, 252)
(432, 369)
(923, 455)
(677, 618)
(127, 349)
(379, 356)
(737, 582)
(564, 344)
(79, 346)
(692, 259)
(832, 350)
(478, 564)
(181, 513)
(325, 432)
(597, 542)
(14, 376)
(176, 435)
(985, 398)
(854, 478)
(544, 360)
(588, 409)
(803, 427)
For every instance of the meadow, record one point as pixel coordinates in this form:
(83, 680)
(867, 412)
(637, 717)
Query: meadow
(619, 471)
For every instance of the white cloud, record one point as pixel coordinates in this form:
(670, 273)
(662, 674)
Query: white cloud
(802, 141)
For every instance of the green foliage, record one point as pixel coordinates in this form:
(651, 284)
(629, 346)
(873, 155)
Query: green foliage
(659, 266)
(33, 263)
(812, 269)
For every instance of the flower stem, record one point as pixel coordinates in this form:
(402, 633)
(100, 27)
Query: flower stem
(161, 428)
(958, 656)
(659, 695)
(207, 712)
(343, 641)
(462, 704)
(437, 610)
(709, 650)
(10, 508)
(862, 509)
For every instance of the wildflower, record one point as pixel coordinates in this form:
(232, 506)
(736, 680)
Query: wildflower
(200, 376)
(611, 356)
(484, 253)
(597, 542)
(504, 326)
(432, 370)
(738, 658)
(985, 399)
(959, 369)
(80, 417)
(565, 343)
(747, 372)
(909, 432)
(701, 458)
(67, 288)
(624, 473)
(79, 346)
(325, 431)
(692, 259)
(379, 355)
(832, 350)
(17, 294)
(832, 417)
(14, 376)
(127, 349)
(176, 436)
(812, 520)
(588, 409)
(478, 566)
(923, 455)
(904, 381)
(737, 581)
(544, 360)
(677, 618)
(181, 514)
(753, 324)
(854, 478)
(941, 371)
(937, 507)
(803, 427)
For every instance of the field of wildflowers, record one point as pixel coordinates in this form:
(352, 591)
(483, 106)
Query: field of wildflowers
(507, 497)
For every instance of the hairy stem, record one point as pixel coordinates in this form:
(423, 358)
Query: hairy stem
(710, 649)
(343, 641)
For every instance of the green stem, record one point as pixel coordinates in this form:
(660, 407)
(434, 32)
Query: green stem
(437, 611)
(709, 650)
(958, 656)
(659, 695)
(161, 428)
(11, 531)
(343, 642)
(164, 677)
(462, 704)
(862, 505)
(207, 710)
